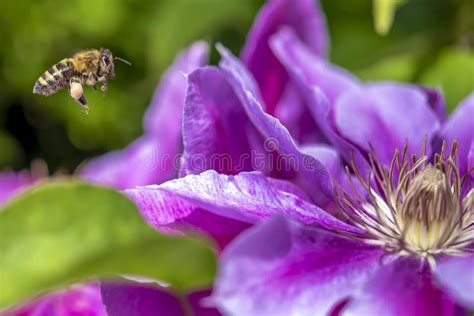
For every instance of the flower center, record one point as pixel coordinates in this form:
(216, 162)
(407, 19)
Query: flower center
(427, 210)
(413, 208)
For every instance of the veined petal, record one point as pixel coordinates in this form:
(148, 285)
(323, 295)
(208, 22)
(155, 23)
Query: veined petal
(246, 197)
(401, 288)
(212, 117)
(457, 276)
(460, 127)
(388, 116)
(282, 268)
(317, 81)
(309, 172)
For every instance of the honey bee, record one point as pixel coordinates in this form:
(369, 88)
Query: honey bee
(88, 67)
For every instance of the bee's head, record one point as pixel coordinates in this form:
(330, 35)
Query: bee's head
(107, 63)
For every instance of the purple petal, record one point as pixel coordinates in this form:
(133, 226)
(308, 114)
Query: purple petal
(309, 173)
(82, 300)
(172, 214)
(284, 268)
(328, 156)
(437, 103)
(460, 127)
(163, 117)
(285, 186)
(221, 229)
(142, 162)
(316, 81)
(387, 116)
(305, 18)
(401, 288)
(13, 183)
(136, 299)
(247, 197)
(295, 115)
(212, 117)
(315, 71)
(457, 276)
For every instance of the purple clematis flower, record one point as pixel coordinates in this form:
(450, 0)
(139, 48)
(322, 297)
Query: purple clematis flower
(407, 230)
(265, 142)
(323, 264)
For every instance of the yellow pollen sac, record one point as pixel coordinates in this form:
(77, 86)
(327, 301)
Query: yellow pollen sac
(428, 209)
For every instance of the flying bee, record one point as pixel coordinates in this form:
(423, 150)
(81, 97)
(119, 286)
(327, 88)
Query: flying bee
(88, 67)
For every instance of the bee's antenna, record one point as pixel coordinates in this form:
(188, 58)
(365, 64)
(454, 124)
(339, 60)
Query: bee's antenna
(123, 60)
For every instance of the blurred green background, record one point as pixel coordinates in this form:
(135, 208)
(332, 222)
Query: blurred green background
(430, 42)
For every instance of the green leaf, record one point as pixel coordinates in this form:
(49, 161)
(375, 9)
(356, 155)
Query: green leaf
(384, 11)
(453, 72)
(66, 232)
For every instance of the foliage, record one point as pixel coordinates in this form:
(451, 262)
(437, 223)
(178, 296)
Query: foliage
(72, 231)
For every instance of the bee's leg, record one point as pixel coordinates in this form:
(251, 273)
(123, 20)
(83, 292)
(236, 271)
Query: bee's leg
(91, 80)
(77, 93)
(103, 88)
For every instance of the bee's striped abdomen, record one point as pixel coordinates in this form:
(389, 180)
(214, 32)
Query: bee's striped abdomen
(54, 78)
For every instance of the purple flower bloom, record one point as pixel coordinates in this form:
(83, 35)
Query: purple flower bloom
(264, 145)
(282, 267)
(410, 222)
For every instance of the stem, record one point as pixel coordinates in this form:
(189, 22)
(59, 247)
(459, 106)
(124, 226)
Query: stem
(186, 305)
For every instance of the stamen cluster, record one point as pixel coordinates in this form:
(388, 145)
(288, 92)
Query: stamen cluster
(414, 207)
